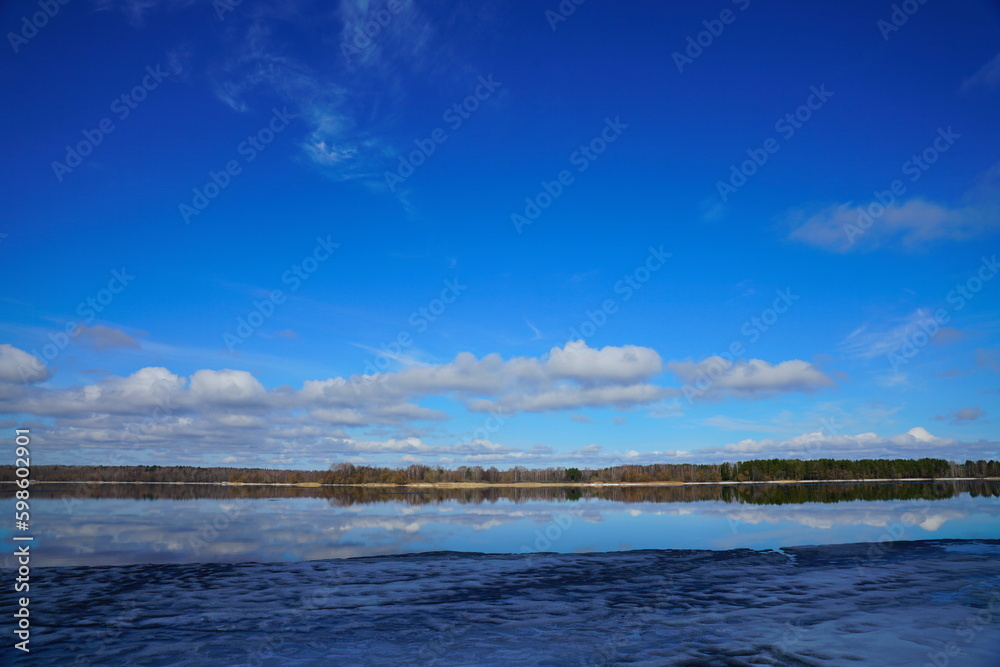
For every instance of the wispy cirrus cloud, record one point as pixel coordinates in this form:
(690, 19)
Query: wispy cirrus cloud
(988, 76)
(349, 101)
(351, 107)
(908, 225)
(869, 341)
(136, 10)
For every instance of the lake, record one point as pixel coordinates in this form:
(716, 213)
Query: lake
(136, 524)
(757, 574)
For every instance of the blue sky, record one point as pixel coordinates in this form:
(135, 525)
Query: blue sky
(239, 233)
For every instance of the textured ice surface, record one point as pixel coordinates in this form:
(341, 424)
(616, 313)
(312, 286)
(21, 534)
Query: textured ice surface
(902, 603)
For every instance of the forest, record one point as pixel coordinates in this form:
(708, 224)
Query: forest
(764, 470)
(345, 496)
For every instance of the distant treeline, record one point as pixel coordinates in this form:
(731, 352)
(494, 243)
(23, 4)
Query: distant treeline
(343, 496)
(60, 473)
(744, 471)
(347, 473)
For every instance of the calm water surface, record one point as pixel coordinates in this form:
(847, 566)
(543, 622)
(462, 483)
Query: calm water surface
(119, 525)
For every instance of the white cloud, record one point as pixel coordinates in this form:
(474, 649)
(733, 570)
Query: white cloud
(139, 393)
(226, 386)
(158, 409)
(622, 365)
(573, 376)
(20, 367)
(567, 397)
(156, 413)
(715, 377)
(915, 443)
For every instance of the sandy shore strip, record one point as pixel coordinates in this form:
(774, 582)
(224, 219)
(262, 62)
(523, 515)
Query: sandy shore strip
(525, 485)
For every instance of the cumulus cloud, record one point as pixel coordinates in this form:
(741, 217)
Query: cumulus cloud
(228, 411)
(623, 365)
(20, 367)
(573, 376)
(137, 394)
(156, 408)
(715, 377)
(226, 386)
(916, 443)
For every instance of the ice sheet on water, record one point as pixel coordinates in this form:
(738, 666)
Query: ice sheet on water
(911, 603)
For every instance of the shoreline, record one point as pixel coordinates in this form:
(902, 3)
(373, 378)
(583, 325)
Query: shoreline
(530, 485)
